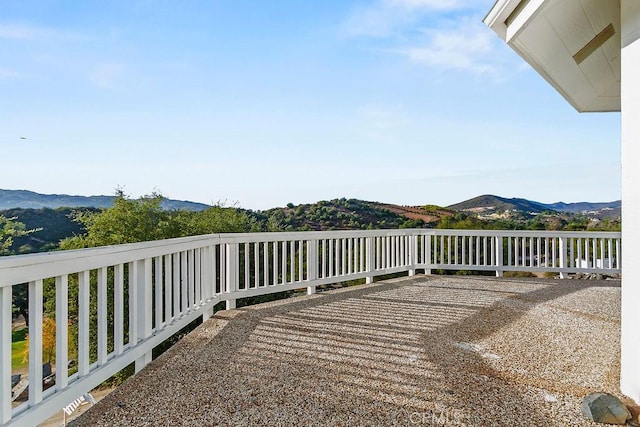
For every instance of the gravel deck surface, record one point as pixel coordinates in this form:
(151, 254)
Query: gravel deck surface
(428, 350)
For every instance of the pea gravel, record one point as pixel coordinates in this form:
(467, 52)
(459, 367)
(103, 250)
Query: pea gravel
(427, 350)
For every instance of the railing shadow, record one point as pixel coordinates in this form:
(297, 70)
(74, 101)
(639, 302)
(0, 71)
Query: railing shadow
(384, 354)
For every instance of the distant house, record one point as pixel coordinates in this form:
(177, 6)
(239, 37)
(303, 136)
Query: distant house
(589, 51)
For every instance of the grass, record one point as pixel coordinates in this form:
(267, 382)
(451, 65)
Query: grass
(18, 348)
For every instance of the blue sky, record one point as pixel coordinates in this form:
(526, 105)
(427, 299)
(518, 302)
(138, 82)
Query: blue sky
(268, 102)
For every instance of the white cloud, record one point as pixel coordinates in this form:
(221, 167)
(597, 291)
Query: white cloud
(107, 75)
(426, 4)
(384, 18)
(466, 46)
(439, 34)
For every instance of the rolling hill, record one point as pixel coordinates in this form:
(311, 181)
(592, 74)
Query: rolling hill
(488, 204)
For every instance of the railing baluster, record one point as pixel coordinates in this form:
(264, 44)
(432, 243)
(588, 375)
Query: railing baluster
(62, 331)
(300, 261)
(143, 285)
(35, 342)
(275, 263)
(245, 284)
(102, 316)
(118, 309)
(177, 288)
(284, 262)
(350, 256)
(343, 256)
(580, 253)
(168, 285)
(184, 283)
(197, 253)
(256, 265)
(331, 244)
(83, 322)
(324, 258)
(265, 264)
(610, 253)
(157, 282)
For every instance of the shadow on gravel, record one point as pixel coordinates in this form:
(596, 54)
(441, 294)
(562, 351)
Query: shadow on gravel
(384, 354)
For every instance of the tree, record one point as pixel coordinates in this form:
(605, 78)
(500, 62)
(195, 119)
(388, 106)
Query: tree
(138, 220)
(48, 341)
(10, 229)
(127, 221)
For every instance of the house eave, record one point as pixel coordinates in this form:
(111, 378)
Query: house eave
(549, 34)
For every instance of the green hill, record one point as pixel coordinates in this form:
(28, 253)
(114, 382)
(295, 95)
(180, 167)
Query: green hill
(489, 203)
(53, 224)
(337, 214)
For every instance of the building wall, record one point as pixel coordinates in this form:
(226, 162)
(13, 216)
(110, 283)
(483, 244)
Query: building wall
(630, 103)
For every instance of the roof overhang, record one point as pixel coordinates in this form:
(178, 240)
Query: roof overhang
(573, 44)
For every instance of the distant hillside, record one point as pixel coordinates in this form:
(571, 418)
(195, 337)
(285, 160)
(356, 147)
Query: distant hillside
(53, 224)
(604, 210)
(342, 214)
(429, 214)
(489, 203)
(11, 199)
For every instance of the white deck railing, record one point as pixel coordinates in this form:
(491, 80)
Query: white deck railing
(130, 298)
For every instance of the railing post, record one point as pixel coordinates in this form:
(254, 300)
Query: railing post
(5, 354)
(369, 259)
(208, 280)
(413, 254)
(312, 264)
(563, 256)
(499, 250)
(232, 272)
(428, 256)
(144, 303)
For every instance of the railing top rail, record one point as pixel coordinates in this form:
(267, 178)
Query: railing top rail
(24, 268)
(526, 233)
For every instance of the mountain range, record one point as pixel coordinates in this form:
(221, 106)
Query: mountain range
(484, 205)
(11, 199)
(489, 204)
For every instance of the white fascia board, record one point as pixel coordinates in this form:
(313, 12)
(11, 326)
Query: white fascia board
(529, 12)
(498, 14)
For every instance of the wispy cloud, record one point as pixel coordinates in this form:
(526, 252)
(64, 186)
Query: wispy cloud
(426, 4)
(32, 32)
(24, 32)
(6, 73)
(439, 34)
(382, 123)
(107, 75)
(464, 47)
(385, 18)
